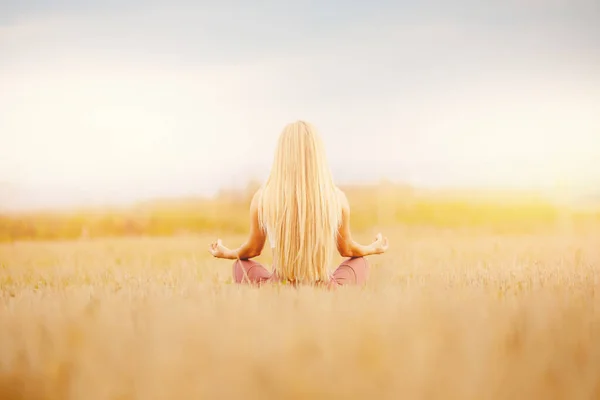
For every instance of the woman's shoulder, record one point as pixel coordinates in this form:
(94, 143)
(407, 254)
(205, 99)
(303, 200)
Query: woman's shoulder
(256, 198)
(342, 197)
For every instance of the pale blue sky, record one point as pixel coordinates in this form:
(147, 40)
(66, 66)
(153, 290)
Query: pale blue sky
(121, 100)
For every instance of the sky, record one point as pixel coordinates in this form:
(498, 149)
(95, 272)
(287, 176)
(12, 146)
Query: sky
(118, 101)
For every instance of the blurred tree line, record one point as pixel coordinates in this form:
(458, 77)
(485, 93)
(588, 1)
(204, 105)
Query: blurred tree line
(379, 205)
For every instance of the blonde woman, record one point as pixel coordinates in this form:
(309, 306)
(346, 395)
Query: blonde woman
(305, 218)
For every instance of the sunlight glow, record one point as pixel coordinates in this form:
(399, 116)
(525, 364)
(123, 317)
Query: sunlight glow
(100, 125)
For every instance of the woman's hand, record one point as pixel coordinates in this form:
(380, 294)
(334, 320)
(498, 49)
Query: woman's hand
(380, 245)
(218, 250)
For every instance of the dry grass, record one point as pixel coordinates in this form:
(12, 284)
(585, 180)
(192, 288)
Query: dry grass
(445, 315)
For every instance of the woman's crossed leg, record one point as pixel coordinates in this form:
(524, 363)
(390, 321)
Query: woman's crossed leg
(352, 271)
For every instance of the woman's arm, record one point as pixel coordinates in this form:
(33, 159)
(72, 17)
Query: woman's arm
(253, 245)
(346, 246)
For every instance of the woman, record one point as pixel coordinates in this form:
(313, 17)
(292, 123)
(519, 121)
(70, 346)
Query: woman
(304, 216)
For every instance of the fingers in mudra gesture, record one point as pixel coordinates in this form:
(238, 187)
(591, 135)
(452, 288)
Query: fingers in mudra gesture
(217, 249)
(380, 244)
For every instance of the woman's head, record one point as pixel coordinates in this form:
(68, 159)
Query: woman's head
(300, 207)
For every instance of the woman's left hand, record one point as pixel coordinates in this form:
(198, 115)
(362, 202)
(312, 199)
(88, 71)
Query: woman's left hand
(217, 249)
(380, 245)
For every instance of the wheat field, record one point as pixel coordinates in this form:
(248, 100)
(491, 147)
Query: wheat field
(445, 315)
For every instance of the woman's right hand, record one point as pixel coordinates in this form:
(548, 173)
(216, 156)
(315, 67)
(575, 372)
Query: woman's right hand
(218, 250)
(380, 245)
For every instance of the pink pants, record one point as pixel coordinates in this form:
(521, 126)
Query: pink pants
(352, 271)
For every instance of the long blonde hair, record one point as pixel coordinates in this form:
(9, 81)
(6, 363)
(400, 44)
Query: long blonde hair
(299, 206)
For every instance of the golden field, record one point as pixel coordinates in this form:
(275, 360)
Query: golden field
(447, 313)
